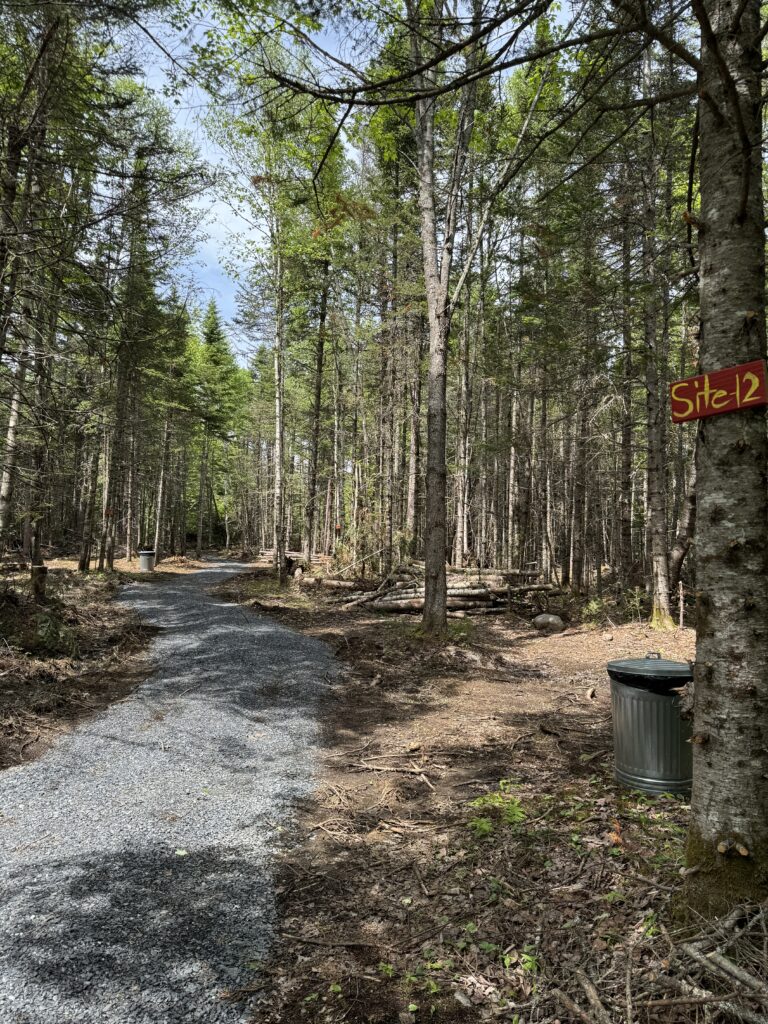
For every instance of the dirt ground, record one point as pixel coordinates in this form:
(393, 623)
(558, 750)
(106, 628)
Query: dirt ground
(468, 855)
(70, 657)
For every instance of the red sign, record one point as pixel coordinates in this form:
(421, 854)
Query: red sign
(709, 394)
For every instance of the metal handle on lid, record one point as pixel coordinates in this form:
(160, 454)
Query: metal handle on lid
(653, 656)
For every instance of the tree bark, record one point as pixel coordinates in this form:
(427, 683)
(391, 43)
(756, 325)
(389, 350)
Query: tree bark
(730, 794)
(10, 455)
(686, 529)
(661, 617)
(161, 489)
(625, 489)
(203, 474)
(279, 482)
(414, 451)
(317, 399)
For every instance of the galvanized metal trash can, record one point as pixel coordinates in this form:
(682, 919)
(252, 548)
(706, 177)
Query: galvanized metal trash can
(146, 561)
(652, 747)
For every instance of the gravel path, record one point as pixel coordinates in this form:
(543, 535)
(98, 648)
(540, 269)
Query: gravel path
(135, 855)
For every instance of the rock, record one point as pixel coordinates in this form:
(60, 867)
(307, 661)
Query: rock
(549, 623)
(607, 637)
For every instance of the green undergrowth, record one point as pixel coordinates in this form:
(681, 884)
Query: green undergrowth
(66, 623)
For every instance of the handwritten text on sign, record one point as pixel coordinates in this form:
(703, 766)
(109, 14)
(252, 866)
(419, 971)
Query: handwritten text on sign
(737, 387)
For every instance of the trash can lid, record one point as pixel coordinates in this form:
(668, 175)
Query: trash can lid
(653, 666)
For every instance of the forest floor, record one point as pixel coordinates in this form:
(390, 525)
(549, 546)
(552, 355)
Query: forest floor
(467, 854)
(67, 659)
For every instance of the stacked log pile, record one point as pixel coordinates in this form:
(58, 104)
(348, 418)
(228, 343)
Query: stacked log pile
(470, 591)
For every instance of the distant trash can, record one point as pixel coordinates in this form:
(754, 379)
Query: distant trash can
(146, 561)
(652, 747)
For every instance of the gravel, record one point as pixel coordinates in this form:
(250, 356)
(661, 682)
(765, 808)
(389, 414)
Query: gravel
(135, 856)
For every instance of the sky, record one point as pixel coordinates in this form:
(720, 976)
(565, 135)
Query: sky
(220, 224)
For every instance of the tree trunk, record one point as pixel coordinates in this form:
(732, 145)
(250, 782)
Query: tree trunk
(279, 483)
(730, 795)
(201, 495)
(11, 450)
(161, 489)
(661, 617)
(685, 531)
(435, 620)
(309, 513)
(414, 450)
(579, 500)
(625, 488)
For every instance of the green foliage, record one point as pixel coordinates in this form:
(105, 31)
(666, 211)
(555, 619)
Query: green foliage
(481, 828)
(504, 805)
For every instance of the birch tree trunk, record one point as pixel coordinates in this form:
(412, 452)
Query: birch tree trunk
(730, 795)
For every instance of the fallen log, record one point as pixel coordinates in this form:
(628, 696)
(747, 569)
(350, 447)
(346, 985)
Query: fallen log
(368, 598)
(452, 592)
(407, 604)
(416, 604)
(479, 595)
(453, 570)
(461, 614)
(530, 588)
(333, 584)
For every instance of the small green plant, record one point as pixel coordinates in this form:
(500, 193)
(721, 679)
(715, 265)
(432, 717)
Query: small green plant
(649, 926)
(505, 804)
(525, 958)
(594, 610)
(615, 896)
(528, 959)
(481, 828)
(634, 602)
(576, 841)
(387, 970)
